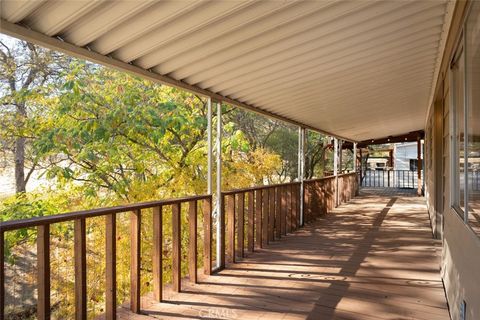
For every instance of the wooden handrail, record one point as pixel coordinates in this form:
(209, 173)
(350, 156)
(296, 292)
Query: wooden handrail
(255, 217)
(79, 218)
(262, 187)
(318, 179)
(347, 174)
(90, 213)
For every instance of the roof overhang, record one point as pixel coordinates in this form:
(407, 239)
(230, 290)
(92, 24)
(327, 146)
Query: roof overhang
(353, 69)
(413, 136)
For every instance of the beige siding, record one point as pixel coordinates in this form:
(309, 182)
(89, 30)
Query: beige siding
(460, 266)
(460, 263)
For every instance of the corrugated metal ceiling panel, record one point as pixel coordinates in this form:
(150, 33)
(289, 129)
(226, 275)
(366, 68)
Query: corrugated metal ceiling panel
(359, 69)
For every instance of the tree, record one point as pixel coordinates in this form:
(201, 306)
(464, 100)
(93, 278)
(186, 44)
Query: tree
(316, 154)
(256, 128)
(272, 135)
(117, 132)
(26, 72)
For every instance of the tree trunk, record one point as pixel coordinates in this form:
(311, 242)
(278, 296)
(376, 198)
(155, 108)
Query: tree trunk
(20, 182)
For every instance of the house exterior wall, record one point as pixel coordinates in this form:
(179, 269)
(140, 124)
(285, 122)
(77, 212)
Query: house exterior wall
(403, 153)
(460, 263)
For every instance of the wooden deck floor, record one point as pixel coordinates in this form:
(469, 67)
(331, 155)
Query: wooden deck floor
(373, 258)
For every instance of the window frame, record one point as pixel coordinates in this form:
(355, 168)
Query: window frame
(459, 57)
(461, 46)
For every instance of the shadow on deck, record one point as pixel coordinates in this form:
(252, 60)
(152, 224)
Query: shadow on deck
(373, 258)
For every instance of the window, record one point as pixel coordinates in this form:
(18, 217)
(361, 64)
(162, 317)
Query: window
(465, 90)
(472, 45)
(413, 164)
(458, 102)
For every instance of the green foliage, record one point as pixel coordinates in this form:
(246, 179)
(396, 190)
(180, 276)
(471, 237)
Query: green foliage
(23, 206)
(101, 138)
(115, 132)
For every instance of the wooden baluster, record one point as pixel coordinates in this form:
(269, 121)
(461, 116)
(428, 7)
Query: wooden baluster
(176, 247)
(313, 196)
(299, 200)
(192, 242)
(80, 254)
(230, 211)
(157, 253)
(265, 213)
(294, 207)
(289, 209)
(283, 216)
(306, 202)
(347, 188)
(251, 221)
(207, 236)
(221, 216)
(135, 252)
(330, 186)
(333, 187)
(43, 272)
(271, 214)
(334, 193)
(2, 275)
(278, 208)
(328, 194)
(324, 195)
(323, 198)
(311, 188)
(258, 218)
(111, 267)
(240, 224)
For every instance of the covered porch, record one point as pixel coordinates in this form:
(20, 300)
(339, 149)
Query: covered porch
(325, 248)
(371, 258)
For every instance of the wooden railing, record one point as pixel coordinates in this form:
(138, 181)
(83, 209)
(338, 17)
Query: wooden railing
(43, 225)
(405, 179)
(347, 186)
(272, 212)
(320, 195)
(252, 218)
(474, 179)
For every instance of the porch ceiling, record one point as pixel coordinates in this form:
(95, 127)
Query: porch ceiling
(356, 69)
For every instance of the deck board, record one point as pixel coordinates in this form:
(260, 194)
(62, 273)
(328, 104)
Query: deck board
(373, 258)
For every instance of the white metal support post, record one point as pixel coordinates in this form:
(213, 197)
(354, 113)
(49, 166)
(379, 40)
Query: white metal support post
(355, 168)
(335, 168)
(209, 146)
(354, 157)
(218, 209)
(340, 157)
(335, 156)
(301, 166)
